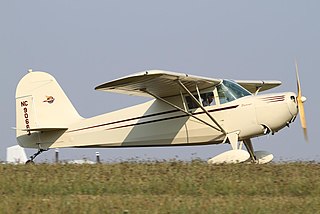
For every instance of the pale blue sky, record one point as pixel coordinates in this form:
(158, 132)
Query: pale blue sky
(85, 43)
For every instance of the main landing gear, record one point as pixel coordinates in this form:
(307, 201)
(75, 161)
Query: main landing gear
(32, 157)
(237, 155)
(258, 157)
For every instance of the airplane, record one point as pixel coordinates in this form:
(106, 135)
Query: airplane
(184, 110)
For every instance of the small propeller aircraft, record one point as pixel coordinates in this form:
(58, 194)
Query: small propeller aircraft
(184, 110)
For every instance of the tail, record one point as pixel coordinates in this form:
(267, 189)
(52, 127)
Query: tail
(42, 107)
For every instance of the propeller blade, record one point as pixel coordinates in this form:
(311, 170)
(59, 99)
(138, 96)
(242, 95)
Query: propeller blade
(300, 101)
(298, 81)
(303, 120)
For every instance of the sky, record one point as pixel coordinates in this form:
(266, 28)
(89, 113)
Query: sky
(86, 43)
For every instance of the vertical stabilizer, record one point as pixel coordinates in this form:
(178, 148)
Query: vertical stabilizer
(41, 106)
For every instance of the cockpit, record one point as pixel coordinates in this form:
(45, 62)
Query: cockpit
(224, 92)
(229, 91)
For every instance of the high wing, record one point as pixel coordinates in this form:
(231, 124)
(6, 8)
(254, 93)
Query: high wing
(162, 83)
(255, 86)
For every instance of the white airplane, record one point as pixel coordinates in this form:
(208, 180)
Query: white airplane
(186, 110)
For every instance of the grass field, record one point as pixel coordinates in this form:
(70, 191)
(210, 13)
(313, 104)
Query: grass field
(160, 187)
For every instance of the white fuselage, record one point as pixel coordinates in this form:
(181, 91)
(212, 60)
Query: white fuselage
(155, 123)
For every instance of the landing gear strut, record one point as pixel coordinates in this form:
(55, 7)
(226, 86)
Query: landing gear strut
(259, 157)
(32, 157)
(236, 155)
(249, 148)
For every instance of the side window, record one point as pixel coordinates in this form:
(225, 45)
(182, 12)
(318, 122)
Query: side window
(191, 104)
(207, 99)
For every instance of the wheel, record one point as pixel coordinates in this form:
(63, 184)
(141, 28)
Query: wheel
(29, 162)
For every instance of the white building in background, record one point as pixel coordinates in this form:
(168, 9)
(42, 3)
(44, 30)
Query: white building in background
(16, 155)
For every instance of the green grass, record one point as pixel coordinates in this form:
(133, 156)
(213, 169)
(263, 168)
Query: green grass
(160, 187)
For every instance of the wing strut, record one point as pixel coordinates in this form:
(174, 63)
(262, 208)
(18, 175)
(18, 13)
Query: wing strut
(180, 109)
(200, 106)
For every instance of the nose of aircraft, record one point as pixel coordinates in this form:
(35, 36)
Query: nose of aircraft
(292, 103)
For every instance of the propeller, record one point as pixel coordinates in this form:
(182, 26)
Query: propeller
(301, 99)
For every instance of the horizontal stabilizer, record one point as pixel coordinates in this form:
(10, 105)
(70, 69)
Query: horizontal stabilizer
(45, 129)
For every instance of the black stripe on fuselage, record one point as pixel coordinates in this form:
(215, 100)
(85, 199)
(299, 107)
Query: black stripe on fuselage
(151, 121)
(152, 145)
(125, 120)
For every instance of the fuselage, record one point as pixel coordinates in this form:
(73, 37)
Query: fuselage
(156, 124)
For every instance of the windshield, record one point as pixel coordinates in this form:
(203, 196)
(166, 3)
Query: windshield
(229, 91)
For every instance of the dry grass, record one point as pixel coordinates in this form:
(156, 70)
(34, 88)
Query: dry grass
(165, 187)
